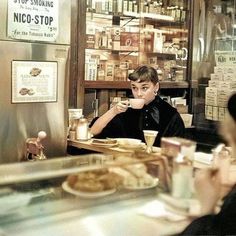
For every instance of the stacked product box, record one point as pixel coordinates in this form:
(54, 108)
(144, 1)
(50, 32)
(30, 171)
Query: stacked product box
(91, 69)
(221, 84)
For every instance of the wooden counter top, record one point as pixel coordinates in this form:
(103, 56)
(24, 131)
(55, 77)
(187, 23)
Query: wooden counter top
(109, 149)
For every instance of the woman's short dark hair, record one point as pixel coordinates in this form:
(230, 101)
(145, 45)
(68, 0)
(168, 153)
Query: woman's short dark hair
(144, 74)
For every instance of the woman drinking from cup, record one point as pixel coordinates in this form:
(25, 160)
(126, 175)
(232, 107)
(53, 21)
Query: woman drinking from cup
(147, 111)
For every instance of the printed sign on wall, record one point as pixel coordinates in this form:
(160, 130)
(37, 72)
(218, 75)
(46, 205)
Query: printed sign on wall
(34, 81)
(33, 20)
(226, 58)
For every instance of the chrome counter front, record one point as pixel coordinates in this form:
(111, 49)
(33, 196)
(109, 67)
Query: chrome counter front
(32, 200)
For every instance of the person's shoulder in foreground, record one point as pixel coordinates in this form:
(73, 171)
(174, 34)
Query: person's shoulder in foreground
(209, 189)
(222, 223)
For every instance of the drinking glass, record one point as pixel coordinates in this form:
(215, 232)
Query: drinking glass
(149, 136)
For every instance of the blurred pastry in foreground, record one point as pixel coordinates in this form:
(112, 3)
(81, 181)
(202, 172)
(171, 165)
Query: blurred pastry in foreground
(95, 181)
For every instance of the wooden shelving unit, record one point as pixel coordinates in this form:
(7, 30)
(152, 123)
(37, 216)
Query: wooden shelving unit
(84, 91)
(126, 84)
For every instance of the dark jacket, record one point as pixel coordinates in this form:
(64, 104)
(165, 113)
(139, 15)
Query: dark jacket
(158, 115)
(224, 223)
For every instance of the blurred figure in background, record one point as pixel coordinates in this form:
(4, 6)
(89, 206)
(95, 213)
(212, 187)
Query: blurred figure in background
(209, 189)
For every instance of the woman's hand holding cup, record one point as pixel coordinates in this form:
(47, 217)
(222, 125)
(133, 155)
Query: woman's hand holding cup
(134, 103)
(121, 106)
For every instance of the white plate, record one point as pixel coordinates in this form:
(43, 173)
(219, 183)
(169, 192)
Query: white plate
(129, 143)
(68, 189)
(139, 146)
(154, 184)
(104, 144)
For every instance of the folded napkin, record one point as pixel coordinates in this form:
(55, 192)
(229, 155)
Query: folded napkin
(157, 209)
(205, 158)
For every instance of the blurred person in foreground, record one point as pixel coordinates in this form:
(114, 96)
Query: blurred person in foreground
(121, 121)
(210, 190)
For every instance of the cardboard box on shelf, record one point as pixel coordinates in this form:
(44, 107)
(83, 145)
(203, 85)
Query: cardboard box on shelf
(211, 96)
(109, 71)
(158, 42)
(90, 37)
(90, 71)
(222, 97)
(90, 41)
(228, 77)
(227, 85)
(217, 77)
(148, 41)
(129, 41)
(222, 112)
(209, 112)
(219, 70)
(213, 83)
(115, 36)
(215, 113)
(101, 70)
(120, 74)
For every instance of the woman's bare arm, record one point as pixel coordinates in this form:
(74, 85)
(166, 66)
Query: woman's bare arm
(102, 121)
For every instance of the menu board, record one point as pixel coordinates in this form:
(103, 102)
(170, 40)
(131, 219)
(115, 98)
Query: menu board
(33, 20)
(34, 81)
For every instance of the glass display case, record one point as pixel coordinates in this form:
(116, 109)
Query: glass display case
(213, 66)
(80, 195)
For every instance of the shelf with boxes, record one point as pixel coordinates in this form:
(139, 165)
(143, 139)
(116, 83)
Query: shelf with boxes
(165, 46)
(121, 35)
(112, 47)
(126, 84)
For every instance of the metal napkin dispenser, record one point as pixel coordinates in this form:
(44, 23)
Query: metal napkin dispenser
(172, 146)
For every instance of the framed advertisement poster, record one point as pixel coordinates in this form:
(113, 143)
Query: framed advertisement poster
(34, 81)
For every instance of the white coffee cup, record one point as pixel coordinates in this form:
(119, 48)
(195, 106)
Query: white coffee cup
(136, 103)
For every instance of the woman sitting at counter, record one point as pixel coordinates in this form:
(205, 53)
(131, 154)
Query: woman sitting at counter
(121, 121)
(209, 190)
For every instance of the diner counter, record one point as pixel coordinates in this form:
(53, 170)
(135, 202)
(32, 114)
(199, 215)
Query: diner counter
(33, 200)
(111, 219)
(203, 160)
(108, 149)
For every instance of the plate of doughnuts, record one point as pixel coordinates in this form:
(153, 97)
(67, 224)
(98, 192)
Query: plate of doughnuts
(92, 184)
(84, 194)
